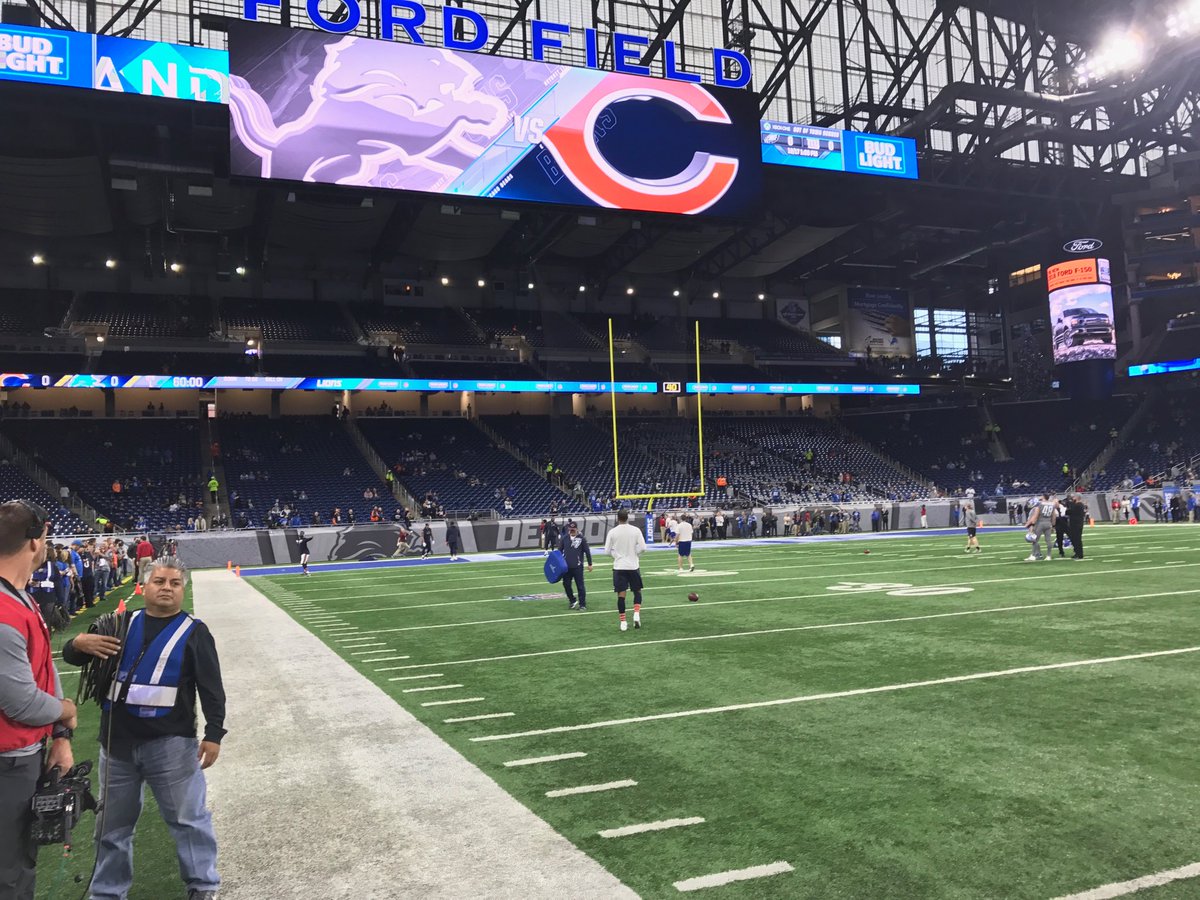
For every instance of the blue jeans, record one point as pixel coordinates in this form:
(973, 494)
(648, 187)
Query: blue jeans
(63, 589)
(170, 767)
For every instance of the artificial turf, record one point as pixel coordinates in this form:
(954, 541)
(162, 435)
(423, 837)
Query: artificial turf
(156, 874)
(1032, 785)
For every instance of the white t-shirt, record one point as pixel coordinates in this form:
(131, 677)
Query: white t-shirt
(625, 544)
(683, 531)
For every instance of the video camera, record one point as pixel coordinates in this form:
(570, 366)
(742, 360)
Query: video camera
(60, 802)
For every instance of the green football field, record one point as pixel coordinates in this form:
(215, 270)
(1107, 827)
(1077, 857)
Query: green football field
(912, 722)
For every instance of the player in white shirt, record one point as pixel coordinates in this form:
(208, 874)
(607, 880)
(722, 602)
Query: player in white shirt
(625, 544)
(683, 543)
(669, 529)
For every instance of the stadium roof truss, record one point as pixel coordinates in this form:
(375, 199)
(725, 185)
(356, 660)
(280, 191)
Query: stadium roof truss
(987, 87)
(977, 78)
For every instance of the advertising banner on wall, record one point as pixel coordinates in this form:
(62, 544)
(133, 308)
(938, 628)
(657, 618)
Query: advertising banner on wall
(879, 322)
(113, 64)
(794, 313)
(317, 107)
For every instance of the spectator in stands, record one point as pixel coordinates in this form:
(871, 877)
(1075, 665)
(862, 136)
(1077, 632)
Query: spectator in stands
(350, 517)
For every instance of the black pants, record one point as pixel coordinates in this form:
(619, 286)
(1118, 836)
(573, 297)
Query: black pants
(1060, 531)
(18, 855)
(576, 576)
(1076, 532)
(89, 588)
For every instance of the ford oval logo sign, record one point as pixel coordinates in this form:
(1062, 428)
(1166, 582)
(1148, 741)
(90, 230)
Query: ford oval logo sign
(1083, 245)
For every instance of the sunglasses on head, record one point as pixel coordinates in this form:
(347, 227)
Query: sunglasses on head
(42, 523)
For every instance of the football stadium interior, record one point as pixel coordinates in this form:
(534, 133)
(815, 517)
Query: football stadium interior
(388, 327)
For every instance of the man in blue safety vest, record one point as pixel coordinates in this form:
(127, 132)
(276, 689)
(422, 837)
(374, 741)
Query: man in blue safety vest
(148, 733)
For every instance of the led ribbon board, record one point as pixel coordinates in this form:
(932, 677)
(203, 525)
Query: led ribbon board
(116, 65)
(811, 147)
(802, 388)
(315, 107)
(1165, 368)
(10, 380)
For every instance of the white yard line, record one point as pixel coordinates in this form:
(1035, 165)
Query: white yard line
(538, 760)
(649, 826)
(416, 677)
(383, 658)
(836, 695)
(436, 687)
(592, 788)
(721, 878)
(1075, 572)
(1121, 888)
(479, 718)
(453, 702)
(627, 645)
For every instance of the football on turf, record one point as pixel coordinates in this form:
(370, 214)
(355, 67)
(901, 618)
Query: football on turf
(693, 597)
(1030, 536)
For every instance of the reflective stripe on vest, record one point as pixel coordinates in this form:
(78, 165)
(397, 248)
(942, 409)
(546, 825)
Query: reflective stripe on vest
(154, 683)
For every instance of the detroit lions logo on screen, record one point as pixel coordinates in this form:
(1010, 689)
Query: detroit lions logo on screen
(419, 127)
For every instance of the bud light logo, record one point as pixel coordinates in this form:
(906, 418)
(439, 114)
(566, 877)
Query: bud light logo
(41, 55)
(1083, 245)
(877, 155)
(880, 155)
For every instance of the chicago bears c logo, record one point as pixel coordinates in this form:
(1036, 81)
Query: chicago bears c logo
(572, 140)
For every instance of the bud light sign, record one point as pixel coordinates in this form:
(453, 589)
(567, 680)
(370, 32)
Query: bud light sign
(119, 65)
(871, 154)
(42, 56)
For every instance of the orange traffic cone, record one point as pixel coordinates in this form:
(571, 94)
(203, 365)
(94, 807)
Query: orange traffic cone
(229, 566)
(137, 590)
(238, 571)
(1091, 522)
(121, 606)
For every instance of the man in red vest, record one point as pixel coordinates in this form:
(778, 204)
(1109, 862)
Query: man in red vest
(33, 713)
